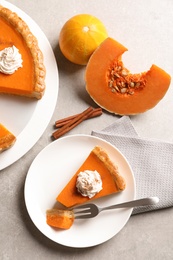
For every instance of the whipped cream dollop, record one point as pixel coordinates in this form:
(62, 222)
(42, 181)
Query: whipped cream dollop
(89, 183)
(10, 60)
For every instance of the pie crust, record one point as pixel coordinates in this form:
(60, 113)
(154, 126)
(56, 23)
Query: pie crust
(30, 41)
(7, 139)
(112, 181)
(112, 168)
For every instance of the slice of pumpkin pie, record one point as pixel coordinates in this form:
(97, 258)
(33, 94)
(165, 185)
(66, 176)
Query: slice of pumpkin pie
(22, 71)
(7, 139)
(97, 177)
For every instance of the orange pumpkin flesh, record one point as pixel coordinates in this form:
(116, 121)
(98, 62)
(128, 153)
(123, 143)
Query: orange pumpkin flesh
(118, 91)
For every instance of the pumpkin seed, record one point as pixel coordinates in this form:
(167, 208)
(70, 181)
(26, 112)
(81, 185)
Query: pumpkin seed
(137, 84)
(111, 84)
(122, 81)
(117, 75)
(123, 90)
(132, 84)
(124, 73)
(117, 89)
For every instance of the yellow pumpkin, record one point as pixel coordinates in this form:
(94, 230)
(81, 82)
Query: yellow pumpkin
(80, 36)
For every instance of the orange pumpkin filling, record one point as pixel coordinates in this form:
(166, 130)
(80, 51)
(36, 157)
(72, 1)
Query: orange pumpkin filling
(21, 81)
(7, 139)
(58, 218)
(112, 181)
(28, 80)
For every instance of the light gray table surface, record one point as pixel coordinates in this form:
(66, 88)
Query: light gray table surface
(145, 28)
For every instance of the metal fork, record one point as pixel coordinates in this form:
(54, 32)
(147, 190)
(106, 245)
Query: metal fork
(91, 210)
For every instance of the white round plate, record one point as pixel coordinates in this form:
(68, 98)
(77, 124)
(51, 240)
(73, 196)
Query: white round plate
(28, 118)
(49, 173)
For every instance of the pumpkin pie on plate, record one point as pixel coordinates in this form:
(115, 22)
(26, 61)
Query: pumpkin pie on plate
(29, 79)
(98, 163)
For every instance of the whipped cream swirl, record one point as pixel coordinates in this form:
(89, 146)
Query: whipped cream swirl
(10, 60)
(89, 183)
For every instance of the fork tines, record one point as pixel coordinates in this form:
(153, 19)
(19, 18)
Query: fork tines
(82, 211)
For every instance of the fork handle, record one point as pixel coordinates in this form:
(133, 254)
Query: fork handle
(134, 203)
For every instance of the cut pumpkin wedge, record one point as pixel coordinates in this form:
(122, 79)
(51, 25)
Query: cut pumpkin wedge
(115, 89)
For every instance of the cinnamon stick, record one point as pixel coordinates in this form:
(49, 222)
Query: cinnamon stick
(72, 123)
(64, 121)
(61, 122)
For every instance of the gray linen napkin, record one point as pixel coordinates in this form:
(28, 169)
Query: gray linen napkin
(151, 161)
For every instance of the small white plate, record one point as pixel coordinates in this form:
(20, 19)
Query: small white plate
(28, 118)
(50, 172)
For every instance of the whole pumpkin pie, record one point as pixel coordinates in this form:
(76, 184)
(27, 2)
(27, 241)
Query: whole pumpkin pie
(7, 139)
(100, 164)
(29, 79)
